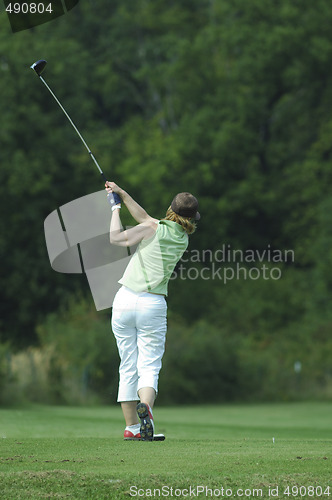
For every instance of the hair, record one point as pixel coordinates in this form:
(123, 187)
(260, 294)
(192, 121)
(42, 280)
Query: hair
(186, 222)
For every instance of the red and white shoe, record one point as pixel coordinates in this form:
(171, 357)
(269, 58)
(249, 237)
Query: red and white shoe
(132, 436)
(144, 413)
(145, 430)
(129, 436)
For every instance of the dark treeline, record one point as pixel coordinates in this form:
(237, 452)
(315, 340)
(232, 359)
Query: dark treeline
(229, 100)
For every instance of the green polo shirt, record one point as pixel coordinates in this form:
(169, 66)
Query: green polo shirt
(152, 265)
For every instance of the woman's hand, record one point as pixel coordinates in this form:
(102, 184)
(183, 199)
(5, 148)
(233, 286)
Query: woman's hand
(111, 187)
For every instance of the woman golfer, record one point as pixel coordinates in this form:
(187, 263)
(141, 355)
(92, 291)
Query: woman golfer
(139, 307)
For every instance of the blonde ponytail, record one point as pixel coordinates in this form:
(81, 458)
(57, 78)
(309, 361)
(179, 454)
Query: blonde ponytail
(188, 225)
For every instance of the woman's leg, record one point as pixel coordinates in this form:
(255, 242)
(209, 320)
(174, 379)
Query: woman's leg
(124, 330)
(151, 335)
(129, 412)
(147, 395)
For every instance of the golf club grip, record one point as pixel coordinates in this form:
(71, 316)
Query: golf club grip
(113, 199)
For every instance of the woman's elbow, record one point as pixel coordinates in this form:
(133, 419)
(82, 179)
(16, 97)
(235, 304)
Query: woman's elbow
(115, 240)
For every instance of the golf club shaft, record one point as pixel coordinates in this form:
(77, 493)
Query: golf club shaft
(74, 126)
(38, 67)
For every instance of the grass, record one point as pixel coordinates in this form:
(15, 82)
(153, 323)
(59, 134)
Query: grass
(78, 453)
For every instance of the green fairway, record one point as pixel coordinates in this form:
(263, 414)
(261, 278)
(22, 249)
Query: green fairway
(252, 451)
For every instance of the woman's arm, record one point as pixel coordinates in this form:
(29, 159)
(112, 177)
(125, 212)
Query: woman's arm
(130, 236)
(138, 212)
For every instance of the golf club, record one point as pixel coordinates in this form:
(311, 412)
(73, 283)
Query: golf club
(38, 67)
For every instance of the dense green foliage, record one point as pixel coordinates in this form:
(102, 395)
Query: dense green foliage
(230, 100)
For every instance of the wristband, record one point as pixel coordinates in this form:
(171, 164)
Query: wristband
(113, 199)
(116, 206)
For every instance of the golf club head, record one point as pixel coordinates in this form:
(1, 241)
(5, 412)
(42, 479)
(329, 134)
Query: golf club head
(39, 66)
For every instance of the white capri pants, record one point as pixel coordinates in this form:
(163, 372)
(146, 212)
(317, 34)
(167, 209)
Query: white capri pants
(139, 325)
